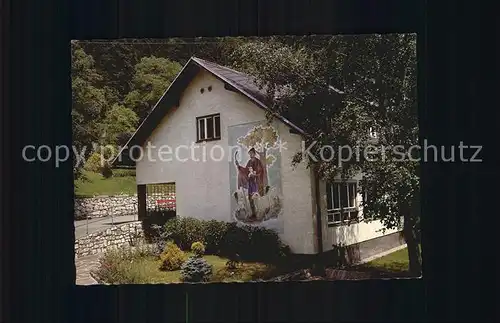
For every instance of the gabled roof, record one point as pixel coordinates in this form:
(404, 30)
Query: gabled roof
(237, 81)
(243, 83)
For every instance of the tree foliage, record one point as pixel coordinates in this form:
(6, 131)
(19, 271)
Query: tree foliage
(337, 89)
(262, 138)
(152, 76)
(118, 122)
(89, 100)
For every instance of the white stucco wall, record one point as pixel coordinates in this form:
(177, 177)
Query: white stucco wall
(345, 235)
(202, 187)
(297, 184)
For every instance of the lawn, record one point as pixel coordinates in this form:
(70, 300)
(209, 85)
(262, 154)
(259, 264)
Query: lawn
(95, 184)
(394, 262)
(145, 270)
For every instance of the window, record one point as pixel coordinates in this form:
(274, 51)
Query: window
(365, 193)
(208, 127)
(342, 204)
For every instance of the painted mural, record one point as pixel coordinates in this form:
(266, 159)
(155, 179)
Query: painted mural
(255, 175)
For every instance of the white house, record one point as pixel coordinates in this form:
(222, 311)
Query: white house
(213, 109)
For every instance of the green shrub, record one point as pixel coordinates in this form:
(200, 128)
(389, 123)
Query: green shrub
(96, 165)
(122, 265)
(227, 239)
(172, 258)
(154, 228)
(124, 173)
(93, 163)
(252, 243)
(113, 270)
(198, 249)
(106, 170)
(214, 234)
(185, 231)
(232, 264)
(158, 239)
(196, 269)
(234, 241)
(171, 228)
(285, 250)
(142, 250)
(191, 230)
(267, 242)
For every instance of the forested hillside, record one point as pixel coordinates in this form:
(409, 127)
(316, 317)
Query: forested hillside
(115, 85)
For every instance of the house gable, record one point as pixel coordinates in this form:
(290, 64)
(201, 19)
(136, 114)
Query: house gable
(204, 188)
(178, 125)
(232, 80)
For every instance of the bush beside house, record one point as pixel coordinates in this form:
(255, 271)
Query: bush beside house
(227, 239)
(197, 251)
(172, 258)
(200, 251)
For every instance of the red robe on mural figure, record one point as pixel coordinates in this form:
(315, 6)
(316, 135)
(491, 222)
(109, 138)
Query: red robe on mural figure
(252, 177)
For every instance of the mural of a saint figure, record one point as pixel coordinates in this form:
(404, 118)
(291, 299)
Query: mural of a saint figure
(252, 177)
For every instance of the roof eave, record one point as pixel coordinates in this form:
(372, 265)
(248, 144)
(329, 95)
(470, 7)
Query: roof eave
(251, 97)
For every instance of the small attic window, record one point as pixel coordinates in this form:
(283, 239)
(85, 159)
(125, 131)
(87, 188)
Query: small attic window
(208, 128)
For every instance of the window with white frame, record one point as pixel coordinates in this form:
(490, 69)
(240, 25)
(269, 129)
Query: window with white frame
(364, 196)
(342, 205)
(208, 127)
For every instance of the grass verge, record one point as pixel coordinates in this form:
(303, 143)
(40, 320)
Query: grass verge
(95, 184)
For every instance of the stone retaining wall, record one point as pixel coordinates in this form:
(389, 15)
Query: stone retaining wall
(101, 206)
(114, 237)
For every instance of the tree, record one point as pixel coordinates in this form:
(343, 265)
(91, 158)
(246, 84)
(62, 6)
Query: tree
(261, 138)
(89, 100)
(337, 89)
(119, 121)
(118, 60)
(116, 64)
(152, 76)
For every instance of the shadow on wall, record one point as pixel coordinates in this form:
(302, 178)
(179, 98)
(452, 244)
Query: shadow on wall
(343, 255)
(338, 257)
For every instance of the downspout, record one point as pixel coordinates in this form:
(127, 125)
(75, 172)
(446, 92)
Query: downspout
(319, 224)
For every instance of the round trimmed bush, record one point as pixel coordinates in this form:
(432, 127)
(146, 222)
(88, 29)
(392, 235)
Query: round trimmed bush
(172, 258)
(198, 249)
(195, 270)
(93, 163)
